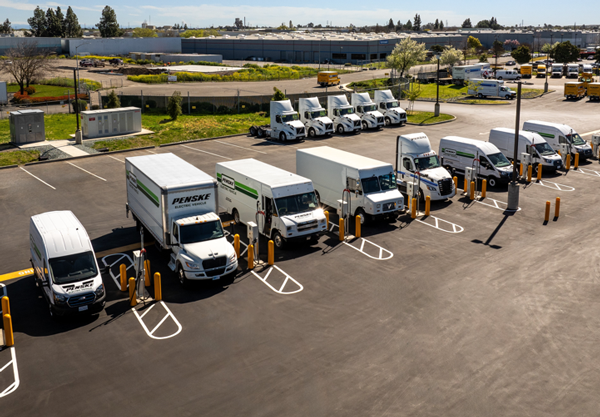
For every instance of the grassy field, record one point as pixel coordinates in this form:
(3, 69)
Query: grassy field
(17, 157)
(44, 90)
(426, 117)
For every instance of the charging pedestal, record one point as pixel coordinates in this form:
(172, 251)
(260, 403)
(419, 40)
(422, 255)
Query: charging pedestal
(525, 161)
(412, 191)
(253, 238)
(138, 265)
(471, 177)
(596, 145)
(565, 149)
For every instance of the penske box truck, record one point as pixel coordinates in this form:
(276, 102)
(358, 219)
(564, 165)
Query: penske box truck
(356, 184)
(64, 264)
(177, 204)
(283, 205)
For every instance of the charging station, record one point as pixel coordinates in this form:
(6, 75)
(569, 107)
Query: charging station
(471, 177)
(596, 145)
(565, 149)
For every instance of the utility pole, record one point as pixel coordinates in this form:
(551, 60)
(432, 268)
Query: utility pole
(513, 186)
(78, 131)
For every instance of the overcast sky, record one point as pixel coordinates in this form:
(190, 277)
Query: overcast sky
(358, 12)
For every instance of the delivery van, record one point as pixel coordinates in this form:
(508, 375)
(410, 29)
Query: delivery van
(490, 164)
(326, 78)
(508, 75)
(64, 264)
(556, 134)
(529, 142)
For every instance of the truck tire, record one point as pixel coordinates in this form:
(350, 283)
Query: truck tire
(365, 218)
(388, 121)
(278, 240)
(312, 133)
(253, 131)
(260, 133)
(181, 277)
(500, 78)
(479, 95)
(282, 137)
(340, 129)
(236, 216)
(365, 126)
(492, 182)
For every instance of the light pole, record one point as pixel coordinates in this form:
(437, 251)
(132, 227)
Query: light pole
(437, 97)
(513, 186)
(77, 65)
(546, 81)
(78, 131)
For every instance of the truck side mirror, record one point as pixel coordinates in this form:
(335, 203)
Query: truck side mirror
(278, 119)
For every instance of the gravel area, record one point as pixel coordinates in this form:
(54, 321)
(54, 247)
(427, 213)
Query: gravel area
(86, 148)
(50, 151)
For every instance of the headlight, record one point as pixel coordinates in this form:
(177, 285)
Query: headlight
(289, 228)
(322, 221)
(378, 205)
(60, 298)
(399, 204)
(192, 265)
(430, 188)
(99, 291)
(232, 257)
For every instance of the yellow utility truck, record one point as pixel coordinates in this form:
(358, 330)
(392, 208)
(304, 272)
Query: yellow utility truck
(526, 70)
(326, 78)
(541, 71)
(574, 90)
(593, 91)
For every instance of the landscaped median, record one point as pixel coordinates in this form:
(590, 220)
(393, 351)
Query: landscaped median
(427, 117)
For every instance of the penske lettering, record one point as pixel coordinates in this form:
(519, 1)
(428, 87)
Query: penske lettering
(191, 199)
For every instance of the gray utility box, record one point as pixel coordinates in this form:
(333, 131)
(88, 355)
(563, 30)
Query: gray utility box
(27, 126)
(3, 94)
(111, 122)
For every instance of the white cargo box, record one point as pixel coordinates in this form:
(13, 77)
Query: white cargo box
(111, 122)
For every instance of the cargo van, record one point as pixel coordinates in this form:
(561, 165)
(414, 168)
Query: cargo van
(490, 164)
(507, 75)
(287, 202)
(529, 142)
(556, 134)
(64, 264)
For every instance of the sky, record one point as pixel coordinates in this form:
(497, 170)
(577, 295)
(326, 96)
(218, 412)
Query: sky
(205, 13)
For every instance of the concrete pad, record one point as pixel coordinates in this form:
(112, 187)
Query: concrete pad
(143, 132)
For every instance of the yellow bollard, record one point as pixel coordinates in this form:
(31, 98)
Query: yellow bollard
(123, 269)
(326, 219)
(520, 170)
(576, 163)
(413, 208)
(568, 163)
(147, 272)
(557, 208)
(341, 229)
(558, 152)
(157, 287)
(529, 172)
(271, 258)
(539, 173)
(547, 215)
(357, 230)
(465, 186)
(9, 337)
(132, 297)
(472, 191)
(483, 188)
(251, 257)
(5, 305)
(236, 245)
(455, 179)
(427, 205)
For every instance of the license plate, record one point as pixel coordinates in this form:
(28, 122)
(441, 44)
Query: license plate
(216, 278)
(83, 308)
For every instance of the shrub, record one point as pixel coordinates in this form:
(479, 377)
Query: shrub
(223, 110)
(174, 105)
(95, 107)
(30, 90)
(82, 105)
(113, 101)
(278, 95)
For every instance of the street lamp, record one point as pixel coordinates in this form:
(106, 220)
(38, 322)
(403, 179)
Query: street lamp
(437, 97)
(513, 186)
(77, 65)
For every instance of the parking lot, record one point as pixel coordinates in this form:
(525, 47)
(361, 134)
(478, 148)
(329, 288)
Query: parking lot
(489, 313)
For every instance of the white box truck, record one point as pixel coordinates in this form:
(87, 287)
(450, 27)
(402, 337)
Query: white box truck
(390, 107)
(416, 163)
(342, 114)
(64, 264)
(557, 71)
(177, 204)
(556, 134)
(529, 142)
(282, 204)
(462, 73)
(366, 109)
(314, 117)
(572, 70)
(485, 88)
(285, 123)
(489, 163)
(366, 185)
(3, 94)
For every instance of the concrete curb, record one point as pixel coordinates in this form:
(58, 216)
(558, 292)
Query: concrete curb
(432, 124)
(9, 166)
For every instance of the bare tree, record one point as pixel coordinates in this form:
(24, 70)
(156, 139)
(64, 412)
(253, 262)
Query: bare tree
(25, 62)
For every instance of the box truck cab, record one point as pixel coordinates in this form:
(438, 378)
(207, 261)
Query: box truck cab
(285, 123)
(572, 70)
(390, 107)
(314, 117)
(490, 164)
(417, 162)
(176, 204)
(574, 90)
(556, 134)
(326, 78)
(557, 70)
(529, 142)
(282, 204)
(343, 115)
(367, 186)
(366, 109)
(485, 88)
(526, 70)
(64, 264)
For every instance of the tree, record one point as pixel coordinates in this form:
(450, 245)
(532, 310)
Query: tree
(474, 43)
(436, 25)
(113, 101)
(278, 95)
(408, 25)
(450, 56)
(61, 20)
(467, 24)
(437, 48)
(406, 54)
(566, 52)
(483, 24)
(144, 33)
(37, 23)
(6, 27)
(523, 54)
(417, 23)
(71, 25)
(185, 27)
(391, 25)
(413, 94)
(483, 58)
(108, 25)
(25, 63)
(53, 25)
(497, 48)
(441, 24)
(239, 23)
(174, 105)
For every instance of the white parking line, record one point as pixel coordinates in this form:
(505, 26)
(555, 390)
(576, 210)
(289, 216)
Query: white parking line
(590, 133)
(40, 180)
(148, 150)
(151, 332)
(116, 159)
(241, 147)
(213, 154)
(86, 171)
(12, 387)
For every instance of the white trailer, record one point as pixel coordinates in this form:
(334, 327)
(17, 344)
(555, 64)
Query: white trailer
(177, 203)
(111, 122)
(390, 107)
(366, 109)
(283, 205)
(285, 123)
(351, 183)
(557, 134)
(3, 94)
(342, 114)
(485, 88)
(417, 163)
(462, 73)
(528, 142)
(314, 117)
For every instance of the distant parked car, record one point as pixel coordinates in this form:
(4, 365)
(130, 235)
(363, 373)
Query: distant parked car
(511, 63)
(115, 61)
(98, 63)
(372, 68)
(86, 63)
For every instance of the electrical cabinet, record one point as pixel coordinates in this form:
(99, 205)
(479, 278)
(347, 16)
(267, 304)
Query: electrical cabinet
(111, 122)
(27, 126)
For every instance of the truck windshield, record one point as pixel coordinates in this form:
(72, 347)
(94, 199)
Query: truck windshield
(392, 104)
(349, 110)
(289, 117)
(387, 182)
(544, 149)
(369, 107)
(73, 268)
(294, 204)
(199, 232)
(498, 160)
(427, 162)
(370, 185)
(575, 139)
(318, 113)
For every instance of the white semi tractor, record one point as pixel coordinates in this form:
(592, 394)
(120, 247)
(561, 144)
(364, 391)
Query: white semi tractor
(393, 114)
(176, 204)
(343, 115)
(283, 205)
(314, 117)
(418, 164)
(366, 109)
(285, 124)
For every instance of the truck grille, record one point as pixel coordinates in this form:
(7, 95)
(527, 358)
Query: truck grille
(445, 186)
(214, 263)
(300, 130)
(82, 299)
(557, 164)
(389, 207)
(328, 126)
(380, 120)
(313, 224)
(357, 123)
(215, 272)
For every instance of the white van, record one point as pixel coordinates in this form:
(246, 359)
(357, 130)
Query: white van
(529, 142)
(556, 134)
(64, 264)
(490, 164)
(508, 75)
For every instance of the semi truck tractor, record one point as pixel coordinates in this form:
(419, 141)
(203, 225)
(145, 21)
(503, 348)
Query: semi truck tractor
(343, 115)
(314, 117)
(393, 114)
(366, 109)
(285, 123)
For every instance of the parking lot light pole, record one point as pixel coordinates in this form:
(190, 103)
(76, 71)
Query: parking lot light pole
(513, 186)
(546, 81)
(77, 65)
(78, 131)
(437, 97)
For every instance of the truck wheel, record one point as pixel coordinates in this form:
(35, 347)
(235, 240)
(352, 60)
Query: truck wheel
(236, 216)
(499, 78)
(312, 133)
(364, 217)
(388, 121)
(278, 240)
(479, 95)
(181, 277)
(492, 182)
(365, 126)
(282, 137)
(340, 129)
(253, 131)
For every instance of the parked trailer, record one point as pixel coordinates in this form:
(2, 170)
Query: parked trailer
(574, 90)
(593, 91)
